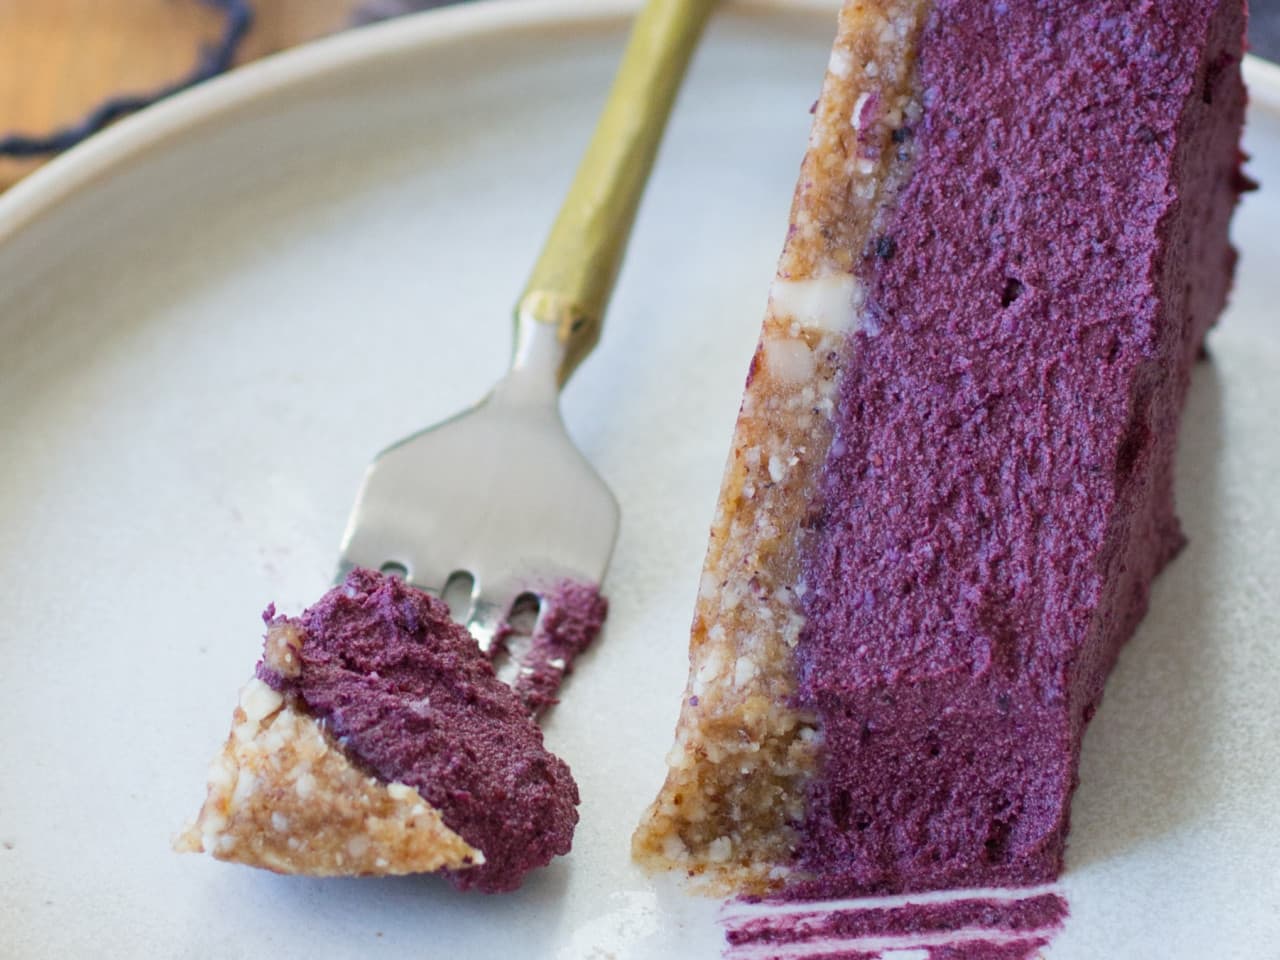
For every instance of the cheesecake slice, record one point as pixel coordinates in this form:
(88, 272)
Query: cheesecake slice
(951, 480)
(376, 739)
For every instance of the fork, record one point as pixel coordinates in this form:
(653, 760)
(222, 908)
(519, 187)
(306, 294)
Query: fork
(498, 495)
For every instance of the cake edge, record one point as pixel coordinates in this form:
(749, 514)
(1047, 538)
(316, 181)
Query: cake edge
(740, 748)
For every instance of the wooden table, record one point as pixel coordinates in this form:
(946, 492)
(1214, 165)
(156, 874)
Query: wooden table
(60, 57)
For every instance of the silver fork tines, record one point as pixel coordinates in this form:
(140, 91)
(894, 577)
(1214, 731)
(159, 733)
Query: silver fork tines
(498, 492)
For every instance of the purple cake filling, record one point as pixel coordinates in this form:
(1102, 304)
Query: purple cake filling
(999, 492)
(570, 616)
(410, 696)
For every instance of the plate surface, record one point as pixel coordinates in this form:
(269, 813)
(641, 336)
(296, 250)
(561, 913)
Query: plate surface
(214, 314)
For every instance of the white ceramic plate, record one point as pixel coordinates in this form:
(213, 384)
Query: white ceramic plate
(211, 317)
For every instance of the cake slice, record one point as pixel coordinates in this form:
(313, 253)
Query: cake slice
(377, 739)
(950, 484)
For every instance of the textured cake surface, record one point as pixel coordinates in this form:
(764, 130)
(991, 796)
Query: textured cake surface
(376, 687)
(410, 696)
(999, 495)
(994, 494)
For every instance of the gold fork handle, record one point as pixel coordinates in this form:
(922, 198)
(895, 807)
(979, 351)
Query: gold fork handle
(574, 275)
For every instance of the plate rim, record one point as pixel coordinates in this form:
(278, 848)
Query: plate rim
(99, 156)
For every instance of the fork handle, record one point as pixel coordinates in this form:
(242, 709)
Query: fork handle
(575, 272)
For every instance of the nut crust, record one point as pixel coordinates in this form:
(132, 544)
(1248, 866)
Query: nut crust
(284, 796)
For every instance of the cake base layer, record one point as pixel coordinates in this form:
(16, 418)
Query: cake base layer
(284, 796)
(999, 496)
